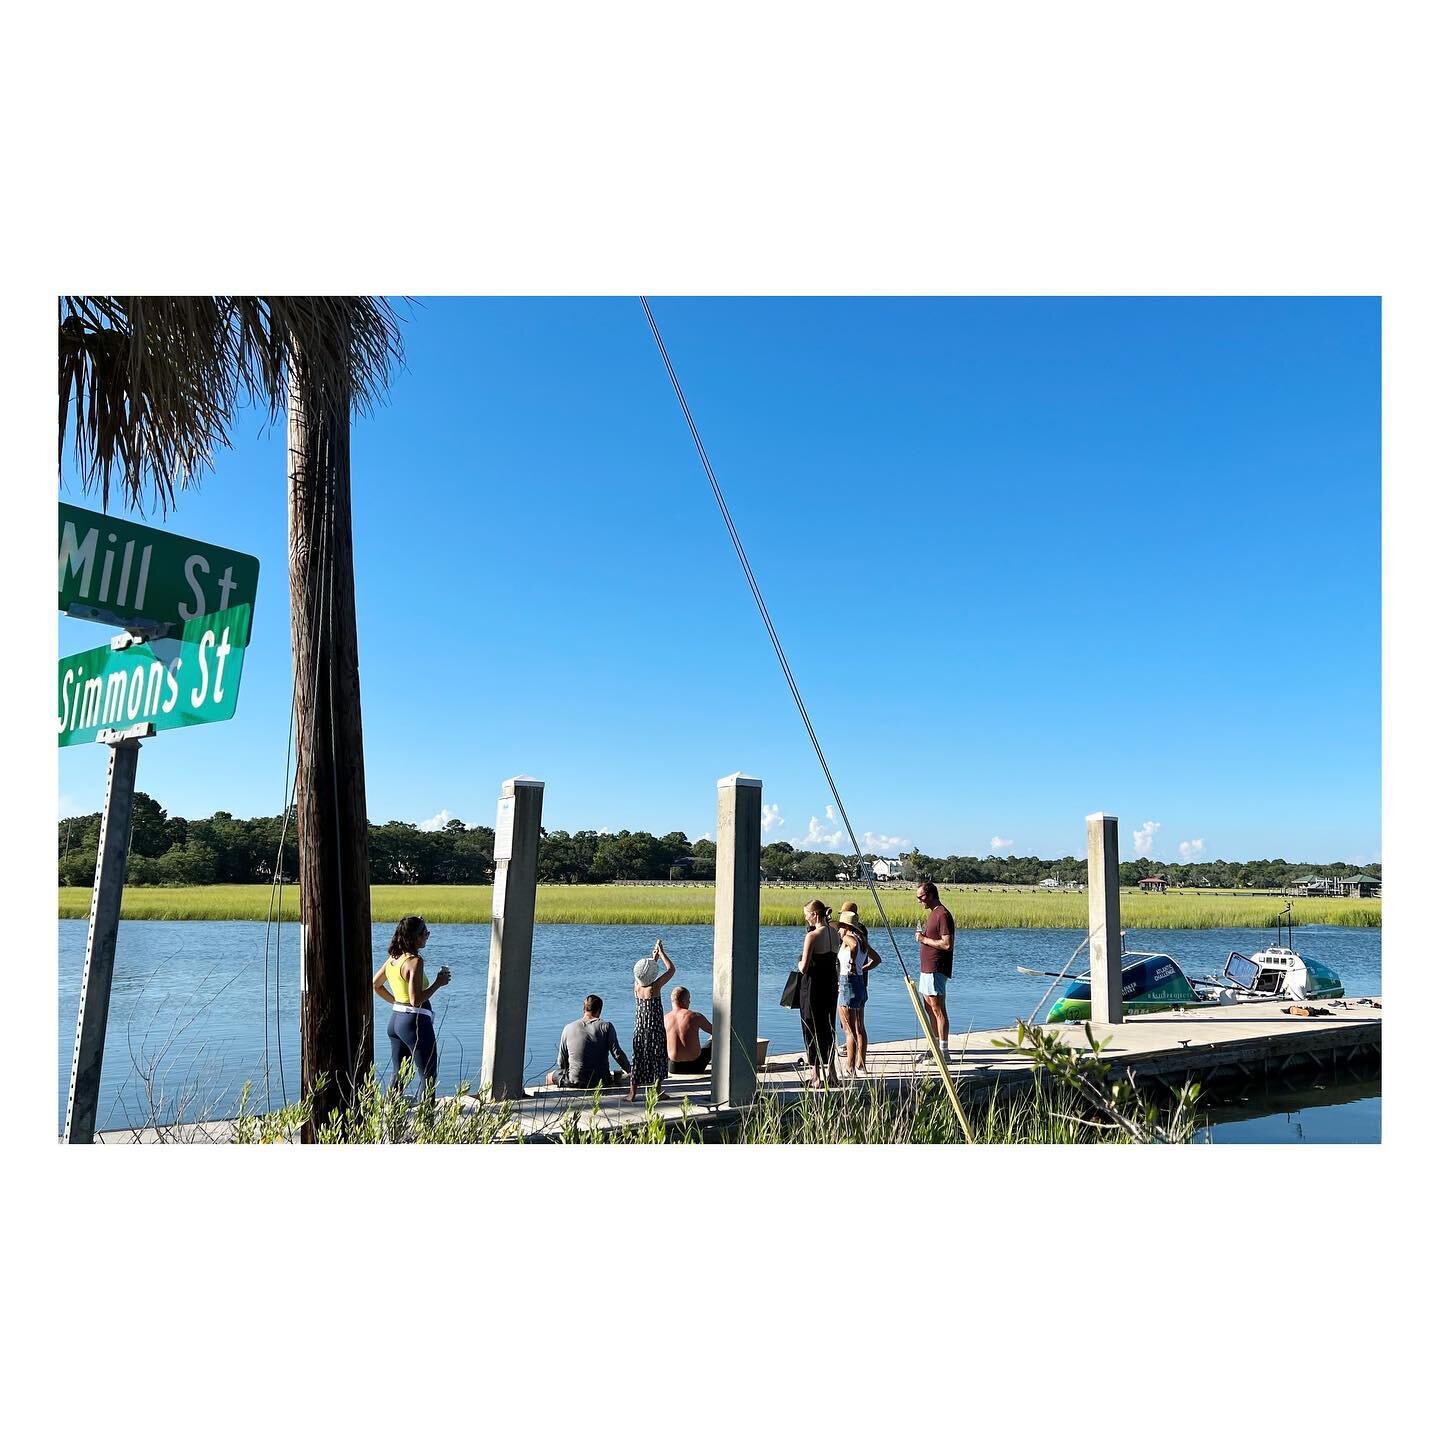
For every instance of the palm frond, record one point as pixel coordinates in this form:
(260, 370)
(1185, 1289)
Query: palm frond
(149, 385)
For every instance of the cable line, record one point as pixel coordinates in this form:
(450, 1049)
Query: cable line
(754, 584)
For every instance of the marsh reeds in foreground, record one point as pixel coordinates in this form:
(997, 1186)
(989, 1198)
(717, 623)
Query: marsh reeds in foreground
(1074, 1099)
(974, 909)
(853, 1115)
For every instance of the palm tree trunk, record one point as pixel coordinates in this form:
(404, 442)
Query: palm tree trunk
(336, 1031)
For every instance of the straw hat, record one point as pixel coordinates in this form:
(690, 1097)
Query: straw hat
(647, 971)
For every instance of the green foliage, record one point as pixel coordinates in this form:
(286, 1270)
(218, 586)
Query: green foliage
(385, 1115)
(918, 1114)
(226, 851)
(652, 1129)
(1109, 1103)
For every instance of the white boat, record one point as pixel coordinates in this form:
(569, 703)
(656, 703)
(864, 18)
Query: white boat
(1279, 972)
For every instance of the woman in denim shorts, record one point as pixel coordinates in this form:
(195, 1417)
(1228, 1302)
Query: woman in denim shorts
(856, 960)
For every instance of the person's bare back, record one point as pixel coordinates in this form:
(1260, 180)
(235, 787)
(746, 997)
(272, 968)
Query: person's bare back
(682, 1033)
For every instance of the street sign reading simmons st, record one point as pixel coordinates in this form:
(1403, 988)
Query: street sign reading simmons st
(192, 679)
(136, 577)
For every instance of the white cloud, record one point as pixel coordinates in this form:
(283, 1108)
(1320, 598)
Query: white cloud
(1191, 849)
(817, 837)
(771, 818)
(830, 834)
(436, 822)
(1145, 837)
(999, 843)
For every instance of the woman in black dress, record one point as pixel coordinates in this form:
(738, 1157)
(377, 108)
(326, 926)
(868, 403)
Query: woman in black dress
(649, 1062)
(819, 990)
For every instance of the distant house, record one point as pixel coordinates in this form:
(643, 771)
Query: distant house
(1155, 884)
(1358, 887)
(1351, 887)
(1049, 883)
(888, 869)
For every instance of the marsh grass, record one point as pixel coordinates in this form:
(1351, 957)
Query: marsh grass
(921, 1114)
(385, 1114)
(1073, 1099)
(918, 1114)
(974, 908)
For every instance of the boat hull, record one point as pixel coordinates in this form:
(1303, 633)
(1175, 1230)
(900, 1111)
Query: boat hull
(1149, 983)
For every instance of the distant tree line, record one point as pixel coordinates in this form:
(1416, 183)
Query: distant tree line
(1215, 874)
(171, 850)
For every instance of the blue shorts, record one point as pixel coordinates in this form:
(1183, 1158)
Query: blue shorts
(854, 991)
(933, 984)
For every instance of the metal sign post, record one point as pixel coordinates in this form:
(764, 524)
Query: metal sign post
(84, 1101)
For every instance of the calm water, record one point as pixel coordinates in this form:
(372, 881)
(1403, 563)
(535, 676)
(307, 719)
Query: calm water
(1322, 1110)
(188, 1006)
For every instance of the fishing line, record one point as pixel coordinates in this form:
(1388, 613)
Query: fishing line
(764, 610)
(1062, 975)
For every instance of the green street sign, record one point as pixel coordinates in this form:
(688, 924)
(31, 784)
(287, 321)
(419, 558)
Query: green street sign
(138, 578)
(189, 679)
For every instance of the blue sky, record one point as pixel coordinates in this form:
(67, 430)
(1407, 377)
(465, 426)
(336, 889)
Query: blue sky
(1030, 558)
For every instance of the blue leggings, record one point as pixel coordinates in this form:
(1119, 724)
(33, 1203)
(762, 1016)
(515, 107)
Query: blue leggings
(412, 1036)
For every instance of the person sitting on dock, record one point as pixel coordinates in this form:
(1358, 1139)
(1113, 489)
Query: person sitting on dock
(586, 1045)
(682, 1036)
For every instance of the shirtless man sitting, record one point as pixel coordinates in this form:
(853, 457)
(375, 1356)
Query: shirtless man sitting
(682, 1036)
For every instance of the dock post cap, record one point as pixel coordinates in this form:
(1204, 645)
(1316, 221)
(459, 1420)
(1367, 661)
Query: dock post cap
(516, 782)
(738, 778)
(1101, 815)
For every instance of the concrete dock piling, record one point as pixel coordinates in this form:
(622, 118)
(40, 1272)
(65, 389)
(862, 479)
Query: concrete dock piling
(736, 982)
(1102, 846)
(512, 932)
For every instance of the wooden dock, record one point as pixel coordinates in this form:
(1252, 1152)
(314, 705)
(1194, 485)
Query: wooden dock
(1253, 1041)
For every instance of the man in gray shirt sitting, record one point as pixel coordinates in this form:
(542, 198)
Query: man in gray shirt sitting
(585, 1047)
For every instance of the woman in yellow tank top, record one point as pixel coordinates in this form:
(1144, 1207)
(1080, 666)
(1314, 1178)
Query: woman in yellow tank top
(412, 1022)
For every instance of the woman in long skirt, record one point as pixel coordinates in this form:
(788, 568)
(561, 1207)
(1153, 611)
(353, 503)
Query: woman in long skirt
(819, 991)
(649, 1063)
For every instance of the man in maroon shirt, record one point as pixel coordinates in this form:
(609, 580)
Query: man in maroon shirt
(936, 937)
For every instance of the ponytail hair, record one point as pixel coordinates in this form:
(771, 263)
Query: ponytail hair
(408, 937)
(821, 909)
